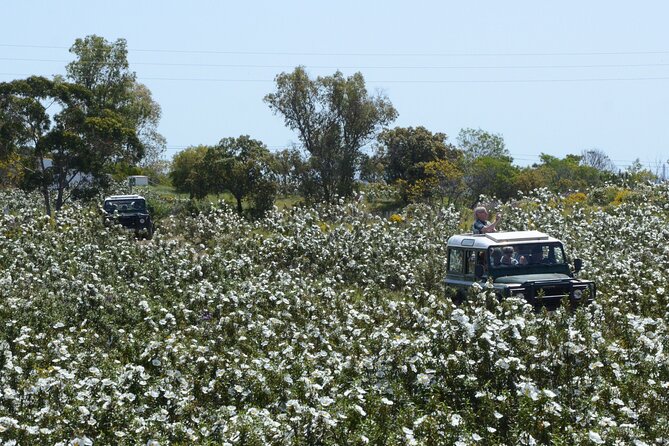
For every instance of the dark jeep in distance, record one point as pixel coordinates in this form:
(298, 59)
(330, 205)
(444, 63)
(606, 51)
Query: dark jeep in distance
(129, 211)
(530, 264)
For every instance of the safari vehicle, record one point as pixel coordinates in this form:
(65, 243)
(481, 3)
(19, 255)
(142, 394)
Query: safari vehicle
(524, 263)
(129, 211)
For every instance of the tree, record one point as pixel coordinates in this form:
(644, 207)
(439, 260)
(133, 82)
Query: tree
(334, 117)
(446, 179)
(636, 174)
(491, 176)
(102, 67)
(406, 151)
(529, 178)
(241, 166)
(568, 174)
(598, 159)
(48, 125)
(244, 166)
(11, 170)
(286, 166)
(372, 168)
(477, 143)
(184, 171)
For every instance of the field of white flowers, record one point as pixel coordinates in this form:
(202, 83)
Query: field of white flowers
(325, 325)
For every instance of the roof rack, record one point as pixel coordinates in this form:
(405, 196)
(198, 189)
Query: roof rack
(517, 236)
(123, 197)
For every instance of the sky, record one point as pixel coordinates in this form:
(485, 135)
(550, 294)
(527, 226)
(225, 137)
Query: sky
(550, 77)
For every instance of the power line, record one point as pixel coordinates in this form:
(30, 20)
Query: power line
(408, 81)
(367, 54)
(380, 67)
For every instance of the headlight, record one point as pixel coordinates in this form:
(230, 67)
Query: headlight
(141, 220)
(578, 294)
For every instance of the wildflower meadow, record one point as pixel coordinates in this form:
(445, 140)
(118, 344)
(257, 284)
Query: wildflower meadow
(326, 325)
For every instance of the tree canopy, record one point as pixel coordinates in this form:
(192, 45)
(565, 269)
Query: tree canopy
(102, 67)
(66, 143)
(334, 117)
(477, 143)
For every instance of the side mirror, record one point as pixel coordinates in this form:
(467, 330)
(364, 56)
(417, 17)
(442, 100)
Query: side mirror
(578, 265)
(478, 271)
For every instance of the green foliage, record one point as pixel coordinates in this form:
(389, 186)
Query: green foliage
(568, 174)
(636, 174)
(334, 117)
(286, 166)
(406, 150)
(406, 153)
(102, 67)
(184, 171)
(72, 140)
(575, 199)
(12, 171)
(477, 143)
(241, 166)
(490, 176)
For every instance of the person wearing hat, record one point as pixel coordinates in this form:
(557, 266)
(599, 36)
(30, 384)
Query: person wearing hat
(481, 224)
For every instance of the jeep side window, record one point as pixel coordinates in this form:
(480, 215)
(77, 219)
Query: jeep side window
(470, 256)
(456, 261)
(474, 257)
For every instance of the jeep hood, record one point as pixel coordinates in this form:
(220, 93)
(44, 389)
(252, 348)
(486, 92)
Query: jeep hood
(533, 278)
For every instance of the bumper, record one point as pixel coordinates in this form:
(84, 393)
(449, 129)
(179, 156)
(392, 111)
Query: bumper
(550, 294)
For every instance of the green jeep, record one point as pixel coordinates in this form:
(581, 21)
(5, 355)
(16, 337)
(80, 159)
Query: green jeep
(131, 212)
(523, 263)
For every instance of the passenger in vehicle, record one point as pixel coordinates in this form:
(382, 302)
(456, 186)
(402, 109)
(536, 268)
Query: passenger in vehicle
(521, 254)
(495, 257)
(507, 257)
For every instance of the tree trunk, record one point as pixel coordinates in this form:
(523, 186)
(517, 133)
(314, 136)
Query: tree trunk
(239, 205)
(47, 200)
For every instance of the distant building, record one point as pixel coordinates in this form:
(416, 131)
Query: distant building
(138, 180)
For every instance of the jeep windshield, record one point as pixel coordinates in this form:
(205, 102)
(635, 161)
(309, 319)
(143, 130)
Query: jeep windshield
(523, 255)
(125, 206)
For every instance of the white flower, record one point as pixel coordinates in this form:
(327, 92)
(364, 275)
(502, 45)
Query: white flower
(423, 379)
(549, 393)
(325, 401)
(595, 438)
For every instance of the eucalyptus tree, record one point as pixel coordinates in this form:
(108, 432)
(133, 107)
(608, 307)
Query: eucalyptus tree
(49, 125)
(334, 117)
(242, 166)
(477, 143)
(103, 68)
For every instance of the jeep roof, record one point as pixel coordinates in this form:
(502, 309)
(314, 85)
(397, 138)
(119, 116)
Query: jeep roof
(483, 241)
(124, 197)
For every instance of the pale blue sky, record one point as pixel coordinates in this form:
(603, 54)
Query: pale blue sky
(554, 77)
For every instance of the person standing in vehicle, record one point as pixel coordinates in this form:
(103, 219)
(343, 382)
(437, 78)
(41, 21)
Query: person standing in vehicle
(481, 224)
